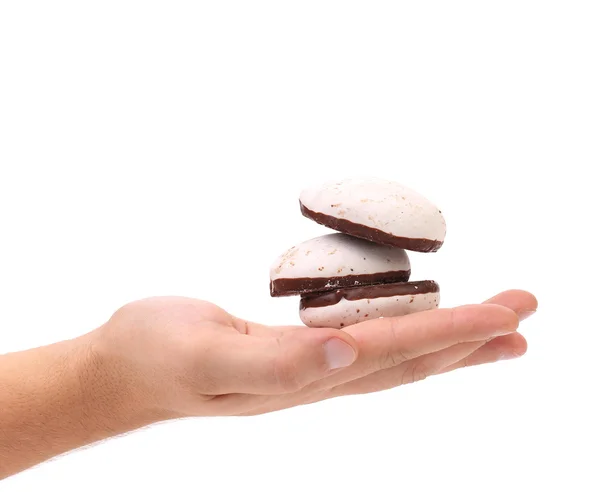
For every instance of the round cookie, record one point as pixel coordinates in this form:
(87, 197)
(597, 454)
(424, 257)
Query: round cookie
(350, 306)
(381, 211)
(336, 261)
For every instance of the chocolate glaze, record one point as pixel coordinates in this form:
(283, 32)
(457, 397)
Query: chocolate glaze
(377, 236)
(304, 285)
(369, 292)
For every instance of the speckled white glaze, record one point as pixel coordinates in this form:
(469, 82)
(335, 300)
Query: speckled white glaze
(346, 313)
(379, 204)
(338, 255)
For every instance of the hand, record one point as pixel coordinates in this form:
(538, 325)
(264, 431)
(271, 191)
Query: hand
(180, 357)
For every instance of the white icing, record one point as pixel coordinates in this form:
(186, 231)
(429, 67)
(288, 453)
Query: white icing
(379, 204)
(338, 255)
(346, 313)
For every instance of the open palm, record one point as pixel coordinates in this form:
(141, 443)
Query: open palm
(191, 358)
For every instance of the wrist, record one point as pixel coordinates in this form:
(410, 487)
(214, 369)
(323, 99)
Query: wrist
(111, 390)
(60, 397)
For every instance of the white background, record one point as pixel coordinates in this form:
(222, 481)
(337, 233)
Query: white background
(151, 148)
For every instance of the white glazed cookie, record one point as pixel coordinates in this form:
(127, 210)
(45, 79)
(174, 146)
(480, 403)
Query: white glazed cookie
(346, 312)
(378, 210)
(336, 260)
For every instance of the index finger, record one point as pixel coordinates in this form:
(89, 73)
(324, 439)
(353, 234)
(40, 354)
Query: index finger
(520, 301)
(386, 342)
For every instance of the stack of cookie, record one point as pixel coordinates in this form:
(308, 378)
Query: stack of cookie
(363, 271)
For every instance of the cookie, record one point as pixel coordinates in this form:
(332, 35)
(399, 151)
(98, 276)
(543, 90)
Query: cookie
(378, 210)
(336, 261)
(345, 307)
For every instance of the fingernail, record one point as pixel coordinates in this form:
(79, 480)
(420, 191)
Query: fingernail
(338, 354)
(525, 314)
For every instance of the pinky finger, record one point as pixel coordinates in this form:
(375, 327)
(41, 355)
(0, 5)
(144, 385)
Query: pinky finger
(501, 348)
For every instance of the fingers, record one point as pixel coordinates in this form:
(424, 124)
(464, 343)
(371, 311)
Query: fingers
(445, 360)
(274, 365)
(387, 342)
(501, 348)
(521, 302)
(504, 347)
(458, 356)
(411, 371)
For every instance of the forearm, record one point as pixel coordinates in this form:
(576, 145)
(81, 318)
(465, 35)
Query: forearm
(60, 397)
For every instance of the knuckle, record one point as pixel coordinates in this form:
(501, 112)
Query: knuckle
(452, 319)
(394, 354)
(455, 324)
(418, 371)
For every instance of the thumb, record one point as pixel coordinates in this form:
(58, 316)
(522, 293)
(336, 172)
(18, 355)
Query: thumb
(283, 364)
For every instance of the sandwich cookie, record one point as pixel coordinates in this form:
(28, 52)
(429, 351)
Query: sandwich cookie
(336, 261)
(346, 307)
(377, 210)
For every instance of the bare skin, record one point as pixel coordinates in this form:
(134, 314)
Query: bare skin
(167, 358)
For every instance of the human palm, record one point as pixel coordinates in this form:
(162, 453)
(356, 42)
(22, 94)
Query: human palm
(186, 357)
